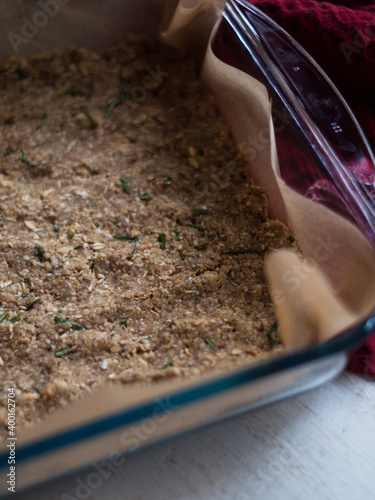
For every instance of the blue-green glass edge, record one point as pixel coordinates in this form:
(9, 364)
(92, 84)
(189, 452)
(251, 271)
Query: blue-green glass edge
(342, 342)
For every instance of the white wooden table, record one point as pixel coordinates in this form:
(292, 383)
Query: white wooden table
(320, 445)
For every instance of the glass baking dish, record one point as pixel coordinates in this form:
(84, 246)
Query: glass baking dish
(161, 410)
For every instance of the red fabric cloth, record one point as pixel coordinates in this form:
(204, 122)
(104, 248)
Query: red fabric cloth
(340, 36)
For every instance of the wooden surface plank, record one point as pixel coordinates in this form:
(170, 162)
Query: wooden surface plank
(318, 445)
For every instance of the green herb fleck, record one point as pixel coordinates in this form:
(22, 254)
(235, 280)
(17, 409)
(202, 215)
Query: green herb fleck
(23, 158)
(162, 240)
(166, 365)
(36, 389)
(177, 235)
(14, 319)
(42, 123)
(119, 99)
(126, 237)
(92, 267)
(201, 245)
(64, 352)
(90, 91)
(93, 123)
(198, 228)
(75, 93)
(201, 211)
(144, 196)
(56, 229)
(124, 323)
(60, 320)
(30, 306)
(171, 324)
(239, 251)
(9, 152)
(181, 255)
(40, 253)
(77, 247)
(4, 315)
(272, 334)
(125, 186)
(72, 325)
(211, 343)
(167, 178)
(91, 170)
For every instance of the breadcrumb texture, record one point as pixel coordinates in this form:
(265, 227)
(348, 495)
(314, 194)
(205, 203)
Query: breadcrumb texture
(132, 246)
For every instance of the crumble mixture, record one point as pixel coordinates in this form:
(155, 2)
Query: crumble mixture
(131, 244)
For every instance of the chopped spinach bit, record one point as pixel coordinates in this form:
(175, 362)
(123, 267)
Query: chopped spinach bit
(211, 343)
(162, 240)
(92, 267)
(177, 235)
(125, 186)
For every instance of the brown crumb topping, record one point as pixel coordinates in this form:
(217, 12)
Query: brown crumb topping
(131, 244)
